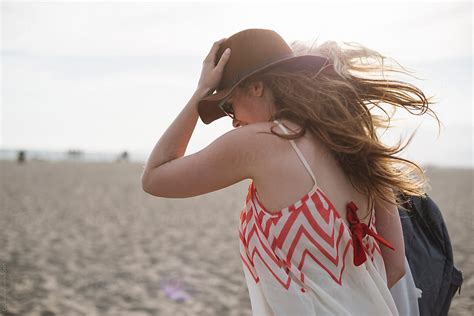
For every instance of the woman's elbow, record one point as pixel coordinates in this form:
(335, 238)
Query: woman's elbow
(145, 187)
(146, 184)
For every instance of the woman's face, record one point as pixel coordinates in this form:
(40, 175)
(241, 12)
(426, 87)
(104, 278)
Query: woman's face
(254, 106)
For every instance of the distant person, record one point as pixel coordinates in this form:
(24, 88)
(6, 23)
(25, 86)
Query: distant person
(123, 157)
(75, 154)
(21, 156)
(319, 233)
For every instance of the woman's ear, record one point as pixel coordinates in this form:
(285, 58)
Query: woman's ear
(256, 88)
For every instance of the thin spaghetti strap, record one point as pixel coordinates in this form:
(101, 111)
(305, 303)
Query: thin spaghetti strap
(300, 154)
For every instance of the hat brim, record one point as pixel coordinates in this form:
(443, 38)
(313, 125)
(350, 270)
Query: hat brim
(208, 108)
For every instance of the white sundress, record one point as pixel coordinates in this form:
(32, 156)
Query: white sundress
(300, 260)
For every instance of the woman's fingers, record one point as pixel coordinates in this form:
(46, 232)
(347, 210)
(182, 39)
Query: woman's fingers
(225, 56)
(212, 54)
(211, 73)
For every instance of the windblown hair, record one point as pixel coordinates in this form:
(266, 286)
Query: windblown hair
(336, 104)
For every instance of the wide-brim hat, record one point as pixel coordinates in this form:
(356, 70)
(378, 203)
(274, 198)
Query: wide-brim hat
(252, 50)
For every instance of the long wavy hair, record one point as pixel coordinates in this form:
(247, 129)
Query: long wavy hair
(337, 105)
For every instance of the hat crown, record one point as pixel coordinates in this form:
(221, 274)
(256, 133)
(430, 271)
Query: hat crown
(250, 50)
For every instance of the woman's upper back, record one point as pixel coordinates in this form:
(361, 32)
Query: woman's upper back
(284, 179)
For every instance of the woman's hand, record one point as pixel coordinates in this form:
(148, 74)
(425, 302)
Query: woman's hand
(211, 74)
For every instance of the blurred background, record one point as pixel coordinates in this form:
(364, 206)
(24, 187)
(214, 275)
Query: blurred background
(100, 82)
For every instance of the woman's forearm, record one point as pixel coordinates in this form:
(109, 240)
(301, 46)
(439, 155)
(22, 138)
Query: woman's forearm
(173, 143)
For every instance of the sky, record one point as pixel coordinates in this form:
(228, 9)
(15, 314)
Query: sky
(113, 75)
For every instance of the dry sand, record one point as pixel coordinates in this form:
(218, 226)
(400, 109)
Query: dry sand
(84, 239)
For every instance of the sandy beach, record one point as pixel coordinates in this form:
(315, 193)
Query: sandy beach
(82, 238)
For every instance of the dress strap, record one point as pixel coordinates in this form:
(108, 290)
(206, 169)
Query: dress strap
(300, 154)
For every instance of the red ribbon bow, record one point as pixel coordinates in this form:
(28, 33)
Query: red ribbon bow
(359, 230)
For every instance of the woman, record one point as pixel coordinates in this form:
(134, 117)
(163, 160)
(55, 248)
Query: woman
(339, 249)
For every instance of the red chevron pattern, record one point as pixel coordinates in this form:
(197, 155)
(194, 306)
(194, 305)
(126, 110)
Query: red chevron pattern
(307, 232)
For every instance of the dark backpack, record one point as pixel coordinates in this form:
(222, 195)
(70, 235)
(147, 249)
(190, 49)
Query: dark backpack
(429, 254)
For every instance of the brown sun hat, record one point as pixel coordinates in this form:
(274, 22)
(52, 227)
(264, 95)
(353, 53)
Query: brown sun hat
(252, 50)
